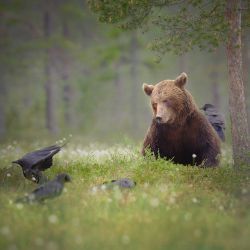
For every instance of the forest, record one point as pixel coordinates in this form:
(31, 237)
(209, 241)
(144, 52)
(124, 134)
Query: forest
(72, 74)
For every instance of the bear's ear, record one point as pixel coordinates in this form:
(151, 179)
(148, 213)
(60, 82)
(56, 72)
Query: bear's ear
(148, 88)
(181, 80)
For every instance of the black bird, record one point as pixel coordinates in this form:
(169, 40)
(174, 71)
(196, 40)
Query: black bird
(216, 119)
(48, 190)
(35, 162)
(121, 183)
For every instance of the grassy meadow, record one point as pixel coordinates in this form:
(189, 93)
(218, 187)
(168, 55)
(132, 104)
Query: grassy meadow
(172, 206)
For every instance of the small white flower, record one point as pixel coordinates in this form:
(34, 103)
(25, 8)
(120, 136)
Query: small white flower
(221, 208)
(19, 206)
(194, 200)
(103, 187)
(5, 231)
(109, 200)
(8, 175)
(194, 156)
(154, 202)
(125, 239)
(53, 219)
(187, 216)
(172, 200)
(33, 178)
(244, 191)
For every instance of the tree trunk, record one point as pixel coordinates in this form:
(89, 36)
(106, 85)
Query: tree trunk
(67, 88)
(246, 63)
(134, 80)
(2, 111)
(237, 104)
(49, 86)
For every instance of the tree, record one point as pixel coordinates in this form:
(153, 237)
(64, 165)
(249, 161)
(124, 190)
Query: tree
(49, 86)
(237, 103)
(67, 88)
(180, 26)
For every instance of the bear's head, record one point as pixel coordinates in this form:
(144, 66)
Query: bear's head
(171, 102)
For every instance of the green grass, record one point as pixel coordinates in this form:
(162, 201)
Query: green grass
(172, 206)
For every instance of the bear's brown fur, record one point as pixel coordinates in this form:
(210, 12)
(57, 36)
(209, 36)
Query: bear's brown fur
(179, 131)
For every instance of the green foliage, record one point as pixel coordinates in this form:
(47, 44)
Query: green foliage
(178, 26)
(172, 206)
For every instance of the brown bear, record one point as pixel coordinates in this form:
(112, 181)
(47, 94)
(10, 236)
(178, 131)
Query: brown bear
(179, 131)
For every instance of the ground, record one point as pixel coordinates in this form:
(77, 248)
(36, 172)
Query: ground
(172, 206)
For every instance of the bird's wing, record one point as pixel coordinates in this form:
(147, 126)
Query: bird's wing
(217, 119)
(47, 190)
(34, 158)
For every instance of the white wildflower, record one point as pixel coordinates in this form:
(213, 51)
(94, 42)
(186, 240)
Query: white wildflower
(19, 206)
(103, 187)
(194, 200)
(154, 202)
(172, 200)
(5, 231)
(8, 175)
(125, 239)
(221, 208)
(94, 190)
(53, 219)
(187, 216)
(109, 200)
(244, 191)
(194, 156)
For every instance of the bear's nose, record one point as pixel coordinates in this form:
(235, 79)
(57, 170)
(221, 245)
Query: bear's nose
(158, 119)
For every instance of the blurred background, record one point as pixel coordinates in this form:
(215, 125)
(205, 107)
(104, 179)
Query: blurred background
(63, 73)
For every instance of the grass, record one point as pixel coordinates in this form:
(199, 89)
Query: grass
(172, 206)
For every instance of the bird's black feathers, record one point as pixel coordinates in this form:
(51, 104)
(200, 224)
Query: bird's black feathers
(216, 119)
(121, 183)
(48, 190)
(34, 162)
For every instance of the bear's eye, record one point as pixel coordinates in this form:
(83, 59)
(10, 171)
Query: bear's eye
(169, 102)
(154, 106)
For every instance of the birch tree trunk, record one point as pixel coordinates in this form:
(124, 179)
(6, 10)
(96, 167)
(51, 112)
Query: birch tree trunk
(237, 103)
